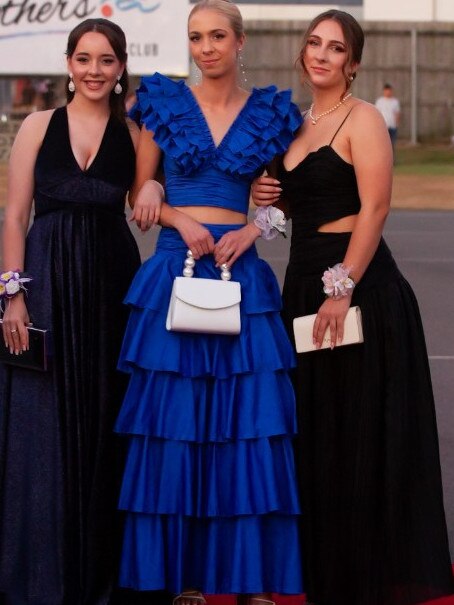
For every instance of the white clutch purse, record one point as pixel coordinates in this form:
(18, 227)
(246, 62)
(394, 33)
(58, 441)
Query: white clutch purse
(302, 329)
(210, 306)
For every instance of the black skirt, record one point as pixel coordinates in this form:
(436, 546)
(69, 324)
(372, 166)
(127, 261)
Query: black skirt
(374, 529)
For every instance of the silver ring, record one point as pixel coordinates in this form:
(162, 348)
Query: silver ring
(12, 331)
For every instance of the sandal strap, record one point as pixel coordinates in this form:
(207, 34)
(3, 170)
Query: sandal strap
(191, 595)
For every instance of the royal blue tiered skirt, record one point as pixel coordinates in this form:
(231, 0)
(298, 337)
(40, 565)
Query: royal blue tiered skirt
(209, 485)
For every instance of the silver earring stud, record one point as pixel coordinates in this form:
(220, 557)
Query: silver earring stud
(118, 87)
(71, 85)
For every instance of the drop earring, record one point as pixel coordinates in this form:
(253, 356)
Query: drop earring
(118, 87)
(71, 85)
(242, 67)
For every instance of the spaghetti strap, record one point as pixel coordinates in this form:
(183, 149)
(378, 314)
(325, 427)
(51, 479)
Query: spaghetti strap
(342, 123)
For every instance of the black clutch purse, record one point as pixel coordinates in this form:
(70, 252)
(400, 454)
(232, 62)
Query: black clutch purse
(38, 355)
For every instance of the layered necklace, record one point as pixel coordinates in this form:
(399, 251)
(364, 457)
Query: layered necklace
(315, 119)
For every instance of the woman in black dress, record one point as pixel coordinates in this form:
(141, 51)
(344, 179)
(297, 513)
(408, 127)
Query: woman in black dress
(59, 460)
(374, 530)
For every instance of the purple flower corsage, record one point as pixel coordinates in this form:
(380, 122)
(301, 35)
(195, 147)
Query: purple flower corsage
(271, 221)
(12, 282)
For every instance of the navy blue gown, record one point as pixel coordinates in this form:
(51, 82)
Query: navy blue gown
(209, 487)
(60, 461)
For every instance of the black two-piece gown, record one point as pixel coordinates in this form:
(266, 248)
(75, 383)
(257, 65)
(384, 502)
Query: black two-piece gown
(374, 530)
(59, 459)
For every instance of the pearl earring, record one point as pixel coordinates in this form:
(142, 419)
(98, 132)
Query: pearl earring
(71, 85)
(351, 77)
(118, 87)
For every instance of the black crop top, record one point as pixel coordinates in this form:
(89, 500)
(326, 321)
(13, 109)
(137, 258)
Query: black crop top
(320, 189)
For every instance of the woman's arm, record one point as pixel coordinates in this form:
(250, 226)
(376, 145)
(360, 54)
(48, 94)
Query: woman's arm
(371, 154)
(146, 194)
(17, 216)
(372, 159)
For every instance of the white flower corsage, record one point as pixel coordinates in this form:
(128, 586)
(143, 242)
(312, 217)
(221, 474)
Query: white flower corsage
(271, 221)
(12, 282)
(336, 281)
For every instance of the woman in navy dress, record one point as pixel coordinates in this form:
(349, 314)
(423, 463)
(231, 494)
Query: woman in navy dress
(209, 486)
(373, 529)
(60, 461)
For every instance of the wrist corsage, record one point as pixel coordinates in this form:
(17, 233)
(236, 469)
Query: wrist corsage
(271, 221)
(336, 281)
(12, 282)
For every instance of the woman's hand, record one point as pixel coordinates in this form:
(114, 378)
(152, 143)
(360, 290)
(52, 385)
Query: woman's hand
(147, 205)
(197, 237)
(15, 321)
(233, 243)
(265, 191)
(330, 320)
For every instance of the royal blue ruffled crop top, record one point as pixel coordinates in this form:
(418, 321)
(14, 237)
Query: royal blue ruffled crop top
(197, 172)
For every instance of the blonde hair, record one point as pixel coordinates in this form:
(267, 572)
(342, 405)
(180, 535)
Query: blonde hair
(226, 8)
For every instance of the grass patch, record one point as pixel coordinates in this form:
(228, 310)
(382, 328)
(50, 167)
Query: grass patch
(425, 160)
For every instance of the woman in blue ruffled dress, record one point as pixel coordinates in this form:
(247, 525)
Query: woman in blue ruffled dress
(209, 485)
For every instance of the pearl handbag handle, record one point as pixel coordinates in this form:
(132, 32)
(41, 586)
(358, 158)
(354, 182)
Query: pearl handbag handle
(189, 265)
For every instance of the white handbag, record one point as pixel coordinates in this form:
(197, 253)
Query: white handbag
(210, 306)
(303, 326)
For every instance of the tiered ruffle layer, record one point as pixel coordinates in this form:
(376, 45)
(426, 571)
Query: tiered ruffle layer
(209, 485)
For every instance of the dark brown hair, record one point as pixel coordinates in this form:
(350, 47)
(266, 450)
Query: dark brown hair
(354, 39)
(117, 41)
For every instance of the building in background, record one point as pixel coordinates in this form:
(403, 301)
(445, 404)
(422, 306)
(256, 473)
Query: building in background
(367, 10)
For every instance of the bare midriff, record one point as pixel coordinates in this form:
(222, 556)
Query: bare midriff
(213, 216)
(342, 225)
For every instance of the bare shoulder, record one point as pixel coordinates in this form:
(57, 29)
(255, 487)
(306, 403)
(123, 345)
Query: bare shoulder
(34, 126)
(366, 114)
(134, 131)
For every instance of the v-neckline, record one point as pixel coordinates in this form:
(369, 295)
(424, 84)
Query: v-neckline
(101, 144)
(206, 126)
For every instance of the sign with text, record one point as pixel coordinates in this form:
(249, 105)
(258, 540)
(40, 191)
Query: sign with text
(33, 33)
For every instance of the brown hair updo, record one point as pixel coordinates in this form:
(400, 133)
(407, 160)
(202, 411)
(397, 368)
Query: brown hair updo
(354, 39)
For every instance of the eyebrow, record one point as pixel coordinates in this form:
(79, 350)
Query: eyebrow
(330, 41)
(84, 52)
(213, 31)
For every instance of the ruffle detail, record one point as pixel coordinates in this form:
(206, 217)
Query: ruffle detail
(261, 554)
(152, 285)
(269, 122)
(262, 345)
(169, 406)
(263, 128)
(171, 477)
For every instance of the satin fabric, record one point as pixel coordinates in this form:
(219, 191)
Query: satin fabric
(209, 485)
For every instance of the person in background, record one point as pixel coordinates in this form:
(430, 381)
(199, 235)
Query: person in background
(389, 106)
